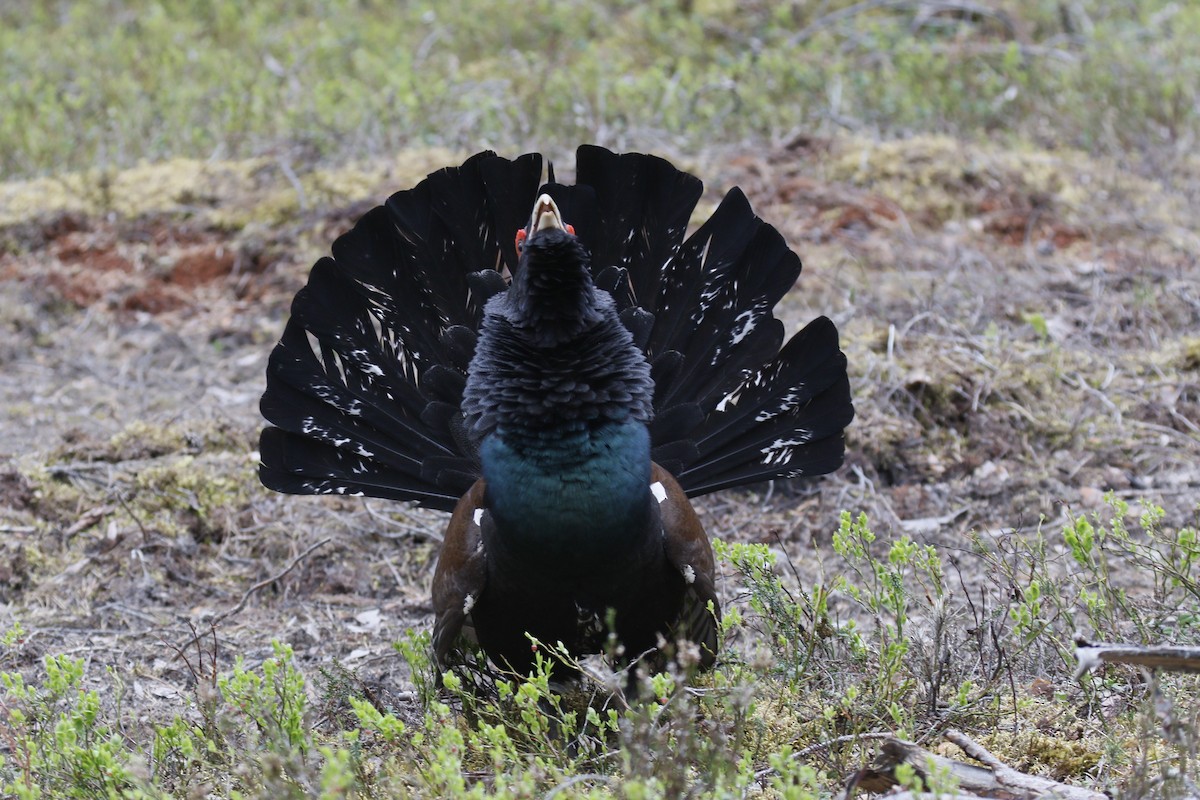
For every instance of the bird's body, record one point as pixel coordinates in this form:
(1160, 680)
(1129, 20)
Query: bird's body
(537, 410)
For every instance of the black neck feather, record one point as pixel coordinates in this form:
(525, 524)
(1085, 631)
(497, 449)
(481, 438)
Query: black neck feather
(552, 352)
(552, 297)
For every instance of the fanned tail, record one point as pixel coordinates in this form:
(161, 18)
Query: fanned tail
(364, 386)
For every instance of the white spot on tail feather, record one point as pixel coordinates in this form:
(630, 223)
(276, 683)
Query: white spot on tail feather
(468, 603)
(781, 451)
(689, 574)
(746, 322)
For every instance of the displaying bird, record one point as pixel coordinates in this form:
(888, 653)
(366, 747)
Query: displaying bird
(563, 381)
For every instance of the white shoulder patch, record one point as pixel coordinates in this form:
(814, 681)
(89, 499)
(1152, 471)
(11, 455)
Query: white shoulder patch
(689, 574)
(659, 491)
(478, 518)
(468, 603)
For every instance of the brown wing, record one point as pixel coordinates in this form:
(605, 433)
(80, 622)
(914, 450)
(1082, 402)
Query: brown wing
(461, 573)
(689, 551)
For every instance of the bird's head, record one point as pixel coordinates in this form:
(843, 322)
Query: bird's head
(545, 217)
(552, 293)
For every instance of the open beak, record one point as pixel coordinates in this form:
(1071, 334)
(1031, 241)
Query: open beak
(545, 215)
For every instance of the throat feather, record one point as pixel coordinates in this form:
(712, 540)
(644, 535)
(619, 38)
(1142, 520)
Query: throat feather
(597, 378)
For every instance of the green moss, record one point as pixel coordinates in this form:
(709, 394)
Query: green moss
(57, 498)
(1060, 757)
(225, 194)
(144, 440)
(197, 498)
(1189, 359)
(935, 179)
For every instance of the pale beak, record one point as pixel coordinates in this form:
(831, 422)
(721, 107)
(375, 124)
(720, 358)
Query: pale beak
(545, 215)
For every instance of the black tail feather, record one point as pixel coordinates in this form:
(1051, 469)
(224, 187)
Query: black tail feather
(808, 366)
(296, 464)
(643, 206)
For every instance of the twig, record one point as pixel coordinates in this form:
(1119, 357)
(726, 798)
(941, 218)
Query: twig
(406, 528)
(931, 796)
(831, 743)
(974, 749)
(224, 615)
(285, 167)
(121, 608)
(87, 519)
(1181, 437)
(1027, 51)
(926, 525)
(136, 520)
(267, 582)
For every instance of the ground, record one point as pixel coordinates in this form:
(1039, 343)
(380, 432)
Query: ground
(1022, 328)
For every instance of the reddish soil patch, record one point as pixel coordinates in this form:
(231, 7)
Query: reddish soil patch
(201, 265)
(149, 266)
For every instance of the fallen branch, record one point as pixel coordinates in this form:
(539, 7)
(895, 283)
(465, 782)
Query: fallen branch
(932, 796)
(995, 779)
(1174, 659)
(268, 581)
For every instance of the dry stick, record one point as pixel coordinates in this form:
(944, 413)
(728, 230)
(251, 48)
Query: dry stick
(267, 582)
(1173, 659)
(928, 796)
(880, 774)
(406, 528)
(136, 520)
(87, 519)
(993, 779)
(217, 620)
